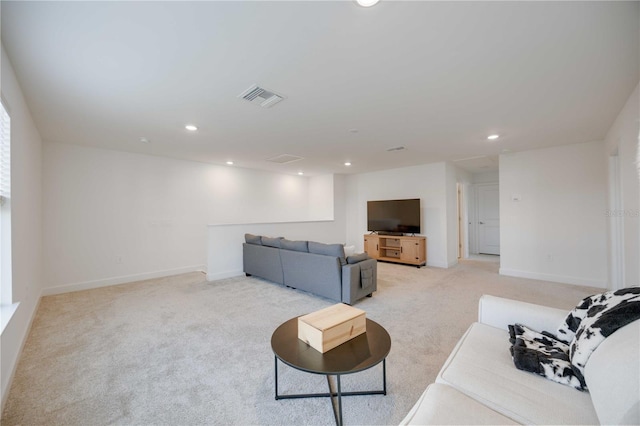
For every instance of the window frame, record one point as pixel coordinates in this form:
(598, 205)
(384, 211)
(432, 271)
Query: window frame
(6, 281)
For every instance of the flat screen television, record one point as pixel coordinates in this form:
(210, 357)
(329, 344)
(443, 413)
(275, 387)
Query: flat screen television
(394, 216)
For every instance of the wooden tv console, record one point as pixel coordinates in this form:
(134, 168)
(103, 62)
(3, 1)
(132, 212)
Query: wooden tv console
(391, 248)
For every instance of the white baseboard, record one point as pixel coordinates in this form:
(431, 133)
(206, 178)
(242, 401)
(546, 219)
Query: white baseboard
(88, 285)
(14, 362)
(553, 278)
(223, 275)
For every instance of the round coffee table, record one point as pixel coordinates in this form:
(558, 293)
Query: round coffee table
(358, 354)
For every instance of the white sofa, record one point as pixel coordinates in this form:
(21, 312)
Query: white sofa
(479, 384)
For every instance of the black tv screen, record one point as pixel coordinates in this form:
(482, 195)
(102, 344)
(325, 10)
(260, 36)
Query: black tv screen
(394, 216)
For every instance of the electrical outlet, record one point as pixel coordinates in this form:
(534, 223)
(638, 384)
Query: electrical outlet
(118, 259)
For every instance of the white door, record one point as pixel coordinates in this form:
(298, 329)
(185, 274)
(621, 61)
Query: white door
(488, 219)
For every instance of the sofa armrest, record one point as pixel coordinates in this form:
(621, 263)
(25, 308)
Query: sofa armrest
(352, 289)
(500, 312)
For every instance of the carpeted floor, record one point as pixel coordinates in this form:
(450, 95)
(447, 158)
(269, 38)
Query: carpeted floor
(184, 351)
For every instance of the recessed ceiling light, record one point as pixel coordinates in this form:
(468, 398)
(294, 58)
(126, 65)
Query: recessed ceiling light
(144, 140)
(347, 163)
(230, 163)
(367, 3)
(493, 137)
(300, 173)
(191, 127)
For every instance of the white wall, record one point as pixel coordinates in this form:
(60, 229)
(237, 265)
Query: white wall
(427, 182)
(320, 198)
(224, 244)
(114, 217)
(558, 230)
(486, 177)
(26, 223)
(623, 137)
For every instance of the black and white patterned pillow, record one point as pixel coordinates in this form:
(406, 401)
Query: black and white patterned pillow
(543, 354)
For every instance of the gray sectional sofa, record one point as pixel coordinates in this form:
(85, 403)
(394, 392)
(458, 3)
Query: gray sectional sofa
(321, 269)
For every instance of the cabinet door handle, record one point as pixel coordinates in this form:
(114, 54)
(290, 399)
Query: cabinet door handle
(481, 223)
(376, 247)
(400, 249)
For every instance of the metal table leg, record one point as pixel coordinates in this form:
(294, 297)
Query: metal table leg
(276, 370)
(339, 402)
(337, 411)
(384, 376)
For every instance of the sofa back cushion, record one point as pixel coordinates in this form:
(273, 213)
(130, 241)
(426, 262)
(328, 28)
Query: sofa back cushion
(612, 375)
(294, 245)
(271, 242)
(335, 250)
(253, 239)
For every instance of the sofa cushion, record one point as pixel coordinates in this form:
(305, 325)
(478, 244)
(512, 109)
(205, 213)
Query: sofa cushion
(253, 239)
(612, 376)
(481, 367)
(302, 246)
(335, 250)
(443, 405)
(357, 258)
(271, 242)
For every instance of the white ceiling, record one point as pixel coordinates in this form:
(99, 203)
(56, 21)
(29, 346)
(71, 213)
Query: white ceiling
(434, 77)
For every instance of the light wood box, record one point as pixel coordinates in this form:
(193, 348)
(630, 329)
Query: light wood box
(327, 328)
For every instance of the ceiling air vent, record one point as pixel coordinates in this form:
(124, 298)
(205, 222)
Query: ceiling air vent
(397, 148)
(284, 159)
(261, 96)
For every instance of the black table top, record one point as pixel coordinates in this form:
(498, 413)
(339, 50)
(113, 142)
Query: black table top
(361, 352)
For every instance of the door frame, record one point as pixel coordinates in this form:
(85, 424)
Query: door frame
(616, 224)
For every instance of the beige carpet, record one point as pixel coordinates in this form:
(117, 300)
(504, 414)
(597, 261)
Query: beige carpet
(183, 351)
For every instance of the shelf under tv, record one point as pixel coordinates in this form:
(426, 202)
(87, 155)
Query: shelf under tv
(409, 250)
